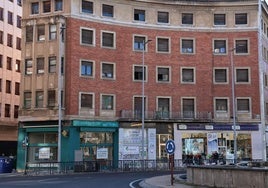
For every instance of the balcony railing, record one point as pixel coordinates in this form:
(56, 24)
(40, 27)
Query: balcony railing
(165, 115)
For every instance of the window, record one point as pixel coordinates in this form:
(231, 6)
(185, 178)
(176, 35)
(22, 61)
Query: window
(107, 102)
(241, 46)
(28, 67)
(8, 86)
(35, 8)
(187, 75)
(108, 40)
(18, 43)
(52, 64)
(139, 15)
(52, 32)
(46, 6)
(220, 47)
(19, 2)
(0, 88)
(40, 65)
(241, 19)
(163, 74)
(87, 36)
(188, 108)
(219, 19)
(1, 37)
(18, 21)
(242, 75)
(9, 63)
(162, 17)
(1, 62)
(17, 66)
(87, 6)
(220, 75)
(51, 98)
(86, 68)
(138, 106)
(243, 105)
(41, 32)
(163, 107)
(27, 99)
(16, 111)
(17, 88)
(107, 10)
(9, 40)
(1, 14)
(138, 76)
(187, 18)
(86, 100)
(221, 105)
(107, 70)
(29, 33)
(58, 5)
(39, 99)
(162, 44)
(138, 43)
(187, 46)
(10, 18)
(7, 110)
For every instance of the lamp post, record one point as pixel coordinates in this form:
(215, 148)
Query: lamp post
(143, 105)
(234, 105)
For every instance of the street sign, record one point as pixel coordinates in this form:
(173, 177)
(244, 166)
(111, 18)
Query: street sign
(170, 147)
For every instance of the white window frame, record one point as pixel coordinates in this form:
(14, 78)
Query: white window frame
(238, 47)
(113, 73)
(141, 44)
(80, 100)
(164, 80)
(194, 75)
(145, 72)
(114, 39)
(169, 45)
(249, 75)
(220, 51)
(113, 108)
(247, 17)
(93, 36)
(221, 110)
(184, 50)
(163, 12)
(93, 68)
(214, 75)
(195, 110)
(244, 111)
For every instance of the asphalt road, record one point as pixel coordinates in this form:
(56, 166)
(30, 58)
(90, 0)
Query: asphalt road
(92, 180)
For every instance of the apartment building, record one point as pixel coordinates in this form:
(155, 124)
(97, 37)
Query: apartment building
(87, 65)
(10, 59)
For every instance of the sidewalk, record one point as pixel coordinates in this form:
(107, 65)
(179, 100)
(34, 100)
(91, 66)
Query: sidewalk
(165, 182)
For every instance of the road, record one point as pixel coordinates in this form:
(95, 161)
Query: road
(92, 180)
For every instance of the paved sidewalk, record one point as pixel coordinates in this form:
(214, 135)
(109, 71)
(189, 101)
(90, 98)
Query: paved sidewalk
(165, 182)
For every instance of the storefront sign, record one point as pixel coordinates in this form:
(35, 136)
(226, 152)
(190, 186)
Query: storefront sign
(44, 153)
(209, 127)
(102, 153)
(182, 126)
(218, 127)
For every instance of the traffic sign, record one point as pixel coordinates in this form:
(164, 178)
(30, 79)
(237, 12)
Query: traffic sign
(170, 147)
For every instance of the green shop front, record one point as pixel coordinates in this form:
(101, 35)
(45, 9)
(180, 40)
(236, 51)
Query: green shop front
(81, 140)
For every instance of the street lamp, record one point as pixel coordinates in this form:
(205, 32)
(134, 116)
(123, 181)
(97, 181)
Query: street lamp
(234, 105)
(143, 105)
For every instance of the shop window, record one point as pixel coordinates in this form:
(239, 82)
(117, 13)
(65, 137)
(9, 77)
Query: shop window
(52, 64)
(40, 65)
(220, 75)
(39, 99)
(163, 74)
(138, 43)
(8, 86)
(58, 5)
(29, 33)
(27, 99)
(52, 32)
(107, 70)
(187, 18)
(241, 19)
(87, 36)
(46, 6)
(9, 63)
(243, 105)
(188, 108)
(242, 75)
(51, 99)
(35, 8)
(7, 110)
(107, 10)
(10, 40)
(187, 46)
(220, 47)
(162, 45)
(86, 68)
(16, 111)
(241, 46)
(163, 108)
(139, 15)
(86, 100)
(221, 105)
(107, 102)
(187, 75)
(162, 17)
(17, 66)
(17, 88)
(108, 39)
(138, 73)
(219, 19)
(10, 18)
(87, 6)
(41, 33)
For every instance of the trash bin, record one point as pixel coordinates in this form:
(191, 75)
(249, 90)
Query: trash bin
(6, 165)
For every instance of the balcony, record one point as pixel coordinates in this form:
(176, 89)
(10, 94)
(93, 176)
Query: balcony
(131, 115)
